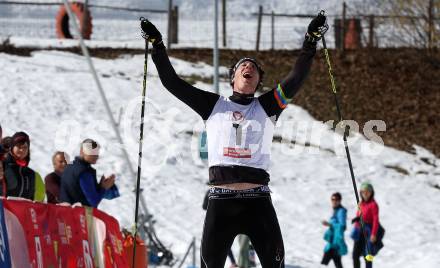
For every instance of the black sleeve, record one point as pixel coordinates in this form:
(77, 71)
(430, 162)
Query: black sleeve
(199, 100)
(276, 100)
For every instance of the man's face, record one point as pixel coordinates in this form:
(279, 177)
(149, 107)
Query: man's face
(246, 78)
(59, 163)
(92, 159)
(335, 202)
(90, 152)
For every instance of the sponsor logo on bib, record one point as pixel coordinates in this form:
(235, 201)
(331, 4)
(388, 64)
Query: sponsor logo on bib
(237, 116)
(237, 152)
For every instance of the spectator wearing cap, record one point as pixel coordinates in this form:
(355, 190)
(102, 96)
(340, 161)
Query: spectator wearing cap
(20, 179)
(79, 182)
(53, 180)
(369, 211)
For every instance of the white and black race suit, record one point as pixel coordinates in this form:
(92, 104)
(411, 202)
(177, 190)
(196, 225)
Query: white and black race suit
(240, 131)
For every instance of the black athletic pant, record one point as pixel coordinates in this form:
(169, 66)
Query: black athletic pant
(358, 252)
(239, 212)
(332, 254)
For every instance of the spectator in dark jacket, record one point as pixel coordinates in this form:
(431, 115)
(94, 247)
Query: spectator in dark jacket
(21, 180)
(79, 182)
(53, 180)
(4, 150)
(3, 154)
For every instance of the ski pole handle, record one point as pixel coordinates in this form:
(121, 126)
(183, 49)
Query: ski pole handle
(150, 32)
(143, 33)
(324, 28)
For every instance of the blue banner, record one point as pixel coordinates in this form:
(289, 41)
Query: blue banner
(5, 258)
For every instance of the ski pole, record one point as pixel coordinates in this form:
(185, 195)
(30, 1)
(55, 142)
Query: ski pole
(369, 256)
(141, 141)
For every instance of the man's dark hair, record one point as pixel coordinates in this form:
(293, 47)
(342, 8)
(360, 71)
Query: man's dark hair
(234, 67)
(7, 143)
(337, 195)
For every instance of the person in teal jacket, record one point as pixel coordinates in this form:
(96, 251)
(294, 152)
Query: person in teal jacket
(335, 247)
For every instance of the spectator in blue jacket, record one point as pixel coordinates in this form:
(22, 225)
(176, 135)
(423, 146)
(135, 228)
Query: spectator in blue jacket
(335, 247)
(79, 182)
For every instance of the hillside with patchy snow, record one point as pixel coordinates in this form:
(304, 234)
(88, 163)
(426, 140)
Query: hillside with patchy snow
(51, 96)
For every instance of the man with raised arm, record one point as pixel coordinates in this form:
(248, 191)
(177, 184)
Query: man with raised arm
(240, 131)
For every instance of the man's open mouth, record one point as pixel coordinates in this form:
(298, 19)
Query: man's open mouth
(247, 75)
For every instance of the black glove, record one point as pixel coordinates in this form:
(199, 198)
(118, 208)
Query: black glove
(150, 32)
(357, 219)
(317, 28)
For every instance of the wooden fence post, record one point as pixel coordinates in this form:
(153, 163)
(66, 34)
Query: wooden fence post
(224, 22)
(273, 30)
(371, 31)
(430, 24)
(170, 15)
(260, 16)
(344, 13)
(85, 18)
(175, 25)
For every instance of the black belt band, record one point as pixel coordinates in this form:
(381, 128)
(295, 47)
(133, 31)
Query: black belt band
(221, 193)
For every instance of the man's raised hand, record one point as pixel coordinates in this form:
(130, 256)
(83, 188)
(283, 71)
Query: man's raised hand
(150, 32)
(317, 27)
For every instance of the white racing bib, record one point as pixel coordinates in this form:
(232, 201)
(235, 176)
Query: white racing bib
(239, 135)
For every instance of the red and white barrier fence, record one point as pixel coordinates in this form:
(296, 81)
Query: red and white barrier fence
(38, 235)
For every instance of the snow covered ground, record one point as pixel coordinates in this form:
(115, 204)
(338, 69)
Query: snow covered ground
(51, 96)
